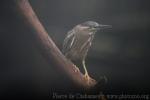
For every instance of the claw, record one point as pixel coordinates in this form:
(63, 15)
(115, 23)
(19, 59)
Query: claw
(87, 78)
(86, 75)
(76, 68)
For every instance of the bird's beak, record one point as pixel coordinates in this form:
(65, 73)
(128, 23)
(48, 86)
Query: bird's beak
(103, 27)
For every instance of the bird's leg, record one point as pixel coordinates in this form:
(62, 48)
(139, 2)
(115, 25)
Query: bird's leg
(86, 75)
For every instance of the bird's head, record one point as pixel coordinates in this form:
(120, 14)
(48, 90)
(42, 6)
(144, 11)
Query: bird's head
(92, 26)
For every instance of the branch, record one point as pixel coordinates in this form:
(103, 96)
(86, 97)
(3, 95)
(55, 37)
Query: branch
(48, 46)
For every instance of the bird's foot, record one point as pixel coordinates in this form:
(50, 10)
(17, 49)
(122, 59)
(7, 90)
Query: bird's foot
(87, 77)
(76, 69)
(89, 80)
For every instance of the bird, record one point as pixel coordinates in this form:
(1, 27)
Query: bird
(78, 41)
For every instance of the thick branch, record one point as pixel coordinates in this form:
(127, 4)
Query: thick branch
(49, 47)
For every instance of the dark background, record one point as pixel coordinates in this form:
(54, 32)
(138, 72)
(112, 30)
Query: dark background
(120, 53)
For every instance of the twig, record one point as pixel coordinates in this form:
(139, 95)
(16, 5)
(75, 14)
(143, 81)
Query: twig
(48, 46)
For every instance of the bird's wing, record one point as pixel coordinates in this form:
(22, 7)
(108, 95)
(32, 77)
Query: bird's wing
(68, 42)
(85, 47)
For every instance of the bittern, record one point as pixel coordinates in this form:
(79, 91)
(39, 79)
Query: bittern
(79, 40)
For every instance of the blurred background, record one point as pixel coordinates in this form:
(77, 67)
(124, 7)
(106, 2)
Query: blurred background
(120, 53)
